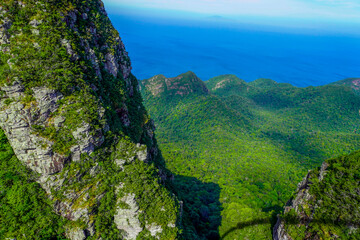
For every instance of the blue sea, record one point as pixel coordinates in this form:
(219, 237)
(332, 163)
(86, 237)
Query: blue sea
(302, 58)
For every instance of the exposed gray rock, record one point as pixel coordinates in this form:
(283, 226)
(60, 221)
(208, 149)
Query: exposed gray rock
(4, 35)
(16, 120)
(66, 43)
(279, 231)
(302, 197)
(111, 64)
(125, 65)
(127, 219)
(58, 121)
(94, 60)
(76, 234)
(323, 168)
(52, 182)
(35, 23)
(47, 101)
(21, 4)
(142, 153)
(94, 170)
(156, 85)
(86, 141)
(36, 152)
(171, 225)
(154, 229)
(128, 152)
(15, 90)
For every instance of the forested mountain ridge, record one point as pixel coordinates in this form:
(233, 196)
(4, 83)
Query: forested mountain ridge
(255, 141)
(72, 113)
(328, 107)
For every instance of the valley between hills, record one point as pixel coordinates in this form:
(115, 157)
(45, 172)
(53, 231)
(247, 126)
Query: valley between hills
(249, 143)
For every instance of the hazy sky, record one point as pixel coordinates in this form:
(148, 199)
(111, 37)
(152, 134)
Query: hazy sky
(334, 10)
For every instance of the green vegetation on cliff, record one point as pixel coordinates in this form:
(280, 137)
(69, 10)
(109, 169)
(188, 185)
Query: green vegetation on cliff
(72, 112)
(254, 141)
(331, 211)
(25, 210)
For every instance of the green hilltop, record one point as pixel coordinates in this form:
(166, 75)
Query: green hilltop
(254, 141)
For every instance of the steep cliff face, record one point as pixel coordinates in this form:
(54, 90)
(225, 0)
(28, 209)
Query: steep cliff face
(73, 113)
(301, 198)
(326, 203)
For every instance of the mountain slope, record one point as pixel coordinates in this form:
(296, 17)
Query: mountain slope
(182, 85)
(73, 114)
(254, 140)
(326, 203)
(354, 83)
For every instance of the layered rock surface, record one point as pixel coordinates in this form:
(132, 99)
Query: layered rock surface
(73, 113)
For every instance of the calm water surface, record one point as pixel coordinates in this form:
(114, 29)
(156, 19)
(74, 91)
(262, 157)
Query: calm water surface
(302, 59)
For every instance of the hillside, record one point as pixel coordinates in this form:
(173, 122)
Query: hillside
(78, 155)
(354, 83)
(253, 141)
(326, 203)
(182, 85)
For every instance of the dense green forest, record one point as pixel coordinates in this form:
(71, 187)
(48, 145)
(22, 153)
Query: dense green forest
(247, 145)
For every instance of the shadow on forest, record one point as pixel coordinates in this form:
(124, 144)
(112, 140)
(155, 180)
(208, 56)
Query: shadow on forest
(245, 224)
(258, 221)
(201, 216)
(289, 221)
(298, 143)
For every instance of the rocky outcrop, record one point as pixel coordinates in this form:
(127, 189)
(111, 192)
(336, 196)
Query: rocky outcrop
(5, 24)
(17, 119)
(127, 219)
(301, 199)
(280, 232)
(182, 85)
(155, 84)
(72, 111)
